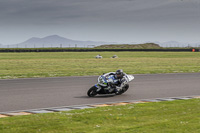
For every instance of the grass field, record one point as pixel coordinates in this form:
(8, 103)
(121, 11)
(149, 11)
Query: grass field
(56, 64)
(181, 116)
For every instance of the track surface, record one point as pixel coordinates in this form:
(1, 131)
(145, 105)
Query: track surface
(24, 94)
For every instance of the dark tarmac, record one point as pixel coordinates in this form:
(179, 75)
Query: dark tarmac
(25, 94)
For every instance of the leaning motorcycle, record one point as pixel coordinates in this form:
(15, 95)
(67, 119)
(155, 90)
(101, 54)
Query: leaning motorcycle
(102, 86)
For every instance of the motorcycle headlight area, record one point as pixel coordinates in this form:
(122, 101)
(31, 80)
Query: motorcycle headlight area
(102, 81)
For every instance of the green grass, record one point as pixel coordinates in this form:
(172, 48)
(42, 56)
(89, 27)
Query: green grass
(181, 116)
(56, 64)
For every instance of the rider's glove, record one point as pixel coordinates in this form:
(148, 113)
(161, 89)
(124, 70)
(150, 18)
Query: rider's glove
(111, 85)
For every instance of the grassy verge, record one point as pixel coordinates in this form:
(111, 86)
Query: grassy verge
(47, 64)
(181, 116)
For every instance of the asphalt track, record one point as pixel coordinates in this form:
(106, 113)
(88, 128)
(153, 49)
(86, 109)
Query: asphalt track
(24, 94)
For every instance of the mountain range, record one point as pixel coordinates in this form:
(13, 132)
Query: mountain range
(55, 41)
(177, 44)
(58, 41)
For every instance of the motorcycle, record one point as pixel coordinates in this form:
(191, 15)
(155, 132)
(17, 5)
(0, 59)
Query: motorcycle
(103, 87)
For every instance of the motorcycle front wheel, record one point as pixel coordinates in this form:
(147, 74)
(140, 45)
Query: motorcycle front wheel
(92, 91)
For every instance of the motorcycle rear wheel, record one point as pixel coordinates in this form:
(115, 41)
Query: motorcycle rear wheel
(124, 89)
(92, 91)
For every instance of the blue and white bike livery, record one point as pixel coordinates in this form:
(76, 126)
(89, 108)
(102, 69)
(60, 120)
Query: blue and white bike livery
(105, 82)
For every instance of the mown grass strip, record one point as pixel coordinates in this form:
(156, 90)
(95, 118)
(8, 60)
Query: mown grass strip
(180, 116)
(57, 64)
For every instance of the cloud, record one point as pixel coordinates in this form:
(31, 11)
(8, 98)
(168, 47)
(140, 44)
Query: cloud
(65, 11)
(100, 16)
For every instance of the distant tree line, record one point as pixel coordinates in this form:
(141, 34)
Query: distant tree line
(94, 50)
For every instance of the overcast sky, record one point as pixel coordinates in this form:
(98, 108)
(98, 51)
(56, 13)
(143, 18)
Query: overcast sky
(101, 20)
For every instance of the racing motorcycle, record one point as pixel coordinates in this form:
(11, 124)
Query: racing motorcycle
(104, 87)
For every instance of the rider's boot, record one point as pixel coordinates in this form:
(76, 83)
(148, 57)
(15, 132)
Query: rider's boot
(116, 91)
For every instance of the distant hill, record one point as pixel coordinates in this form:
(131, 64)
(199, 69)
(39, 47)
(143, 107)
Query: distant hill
(55, 41)
(177, 44)
(130, 46)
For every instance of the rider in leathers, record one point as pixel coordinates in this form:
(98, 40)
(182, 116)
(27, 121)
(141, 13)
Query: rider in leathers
(116, 80)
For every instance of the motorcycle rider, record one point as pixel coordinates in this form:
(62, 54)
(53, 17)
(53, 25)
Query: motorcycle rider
(116, 80)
